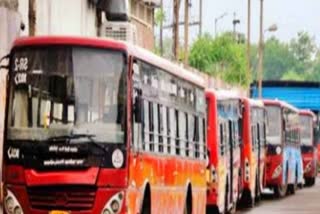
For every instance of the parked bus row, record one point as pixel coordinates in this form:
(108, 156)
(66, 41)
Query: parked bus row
(103, 127)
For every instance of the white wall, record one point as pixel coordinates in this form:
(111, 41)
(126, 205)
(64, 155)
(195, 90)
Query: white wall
(61, 17)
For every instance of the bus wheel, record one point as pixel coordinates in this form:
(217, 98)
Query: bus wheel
(226, 194)
(146, 204)
(310, 181)
(212, 210)
(188, 203)
(257, 191)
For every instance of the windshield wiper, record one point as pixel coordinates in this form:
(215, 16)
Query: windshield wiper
(71, 137)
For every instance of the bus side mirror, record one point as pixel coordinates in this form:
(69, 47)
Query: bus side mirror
(138, 107)
(6, 57)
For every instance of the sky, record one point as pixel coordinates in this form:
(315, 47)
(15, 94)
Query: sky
(291, 16)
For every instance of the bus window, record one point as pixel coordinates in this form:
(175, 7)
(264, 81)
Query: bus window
(160, 127)
(221, 131)
(177, 140)
(172, 122)
(151, 127)
(155, 128)
(191, 123)
(146, 138)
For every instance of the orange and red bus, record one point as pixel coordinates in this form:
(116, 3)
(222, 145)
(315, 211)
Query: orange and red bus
(284, 171)
(223, 170)
(308, 146)
(100, 126)
(253, 151)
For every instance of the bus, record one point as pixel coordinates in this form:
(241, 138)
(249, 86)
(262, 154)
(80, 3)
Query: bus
(253, 151)
(101, 126)
(284, 171)
(224, 118)
(308, 146)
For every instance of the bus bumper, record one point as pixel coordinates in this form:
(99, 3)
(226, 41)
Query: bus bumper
(63, 202)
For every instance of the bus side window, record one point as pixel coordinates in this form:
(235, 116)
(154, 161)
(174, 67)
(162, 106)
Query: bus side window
(146, 137)
(191, 125)
(187, 135)
(252, 138)
(221, 145)
(137, 119)
(177, 140)
(151, 127)
(156, 132)
(172, 130)
(167, 113)
(160, 127)
(201, 139)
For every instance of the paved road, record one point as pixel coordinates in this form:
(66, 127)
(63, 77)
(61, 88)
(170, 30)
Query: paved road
(305, 201)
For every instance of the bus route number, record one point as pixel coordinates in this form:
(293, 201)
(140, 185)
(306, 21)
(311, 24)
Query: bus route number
(21, 64)
(20, 78)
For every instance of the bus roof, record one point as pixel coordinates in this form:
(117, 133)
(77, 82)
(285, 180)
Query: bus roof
(223, 94)
(138, 52)
(256, 103)
(307, 112)
(281, 104)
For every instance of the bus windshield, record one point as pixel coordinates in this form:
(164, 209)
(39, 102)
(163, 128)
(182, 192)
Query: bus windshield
(67, 90)
(274, 125)
(306, 130)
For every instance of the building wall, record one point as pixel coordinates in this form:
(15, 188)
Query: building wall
(142, 16)
(61, 17)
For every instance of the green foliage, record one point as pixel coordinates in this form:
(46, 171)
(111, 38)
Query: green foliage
(222, 57)
(159, 16)
(292, 75)
(289, 61)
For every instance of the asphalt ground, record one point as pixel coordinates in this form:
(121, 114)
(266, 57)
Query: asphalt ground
(305, 201)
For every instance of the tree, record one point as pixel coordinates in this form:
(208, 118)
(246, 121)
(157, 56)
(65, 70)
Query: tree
(303, 47)
(222, 57)
(278, 59)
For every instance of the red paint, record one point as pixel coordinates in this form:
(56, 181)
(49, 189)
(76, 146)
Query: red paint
(220, 166)
(168, 176)
(75, 177)
(251, 164)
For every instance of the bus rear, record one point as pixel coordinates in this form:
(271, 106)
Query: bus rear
(284, 161)
(224, 119)
(308, 147)
(252, 151)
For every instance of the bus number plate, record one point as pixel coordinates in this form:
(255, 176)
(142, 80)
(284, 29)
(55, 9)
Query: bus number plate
(59, 212)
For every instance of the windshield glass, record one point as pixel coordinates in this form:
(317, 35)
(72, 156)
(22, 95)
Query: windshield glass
(306, 130)
(274, 125)
(62, 91)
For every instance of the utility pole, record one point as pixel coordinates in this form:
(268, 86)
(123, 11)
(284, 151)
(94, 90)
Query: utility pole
(260, 66)
(175, 29)
(248, 40)
(235, 22)
(186, 31)
(161, 30)
(200, 18)
(32, 17)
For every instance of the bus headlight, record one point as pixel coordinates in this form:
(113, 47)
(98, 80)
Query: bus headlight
(246, 170)
(114, 204)
(278, 150)
(277, 172)
(11, 204)
(308, 167)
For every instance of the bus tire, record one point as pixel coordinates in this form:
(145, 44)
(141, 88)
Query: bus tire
(146, 203)
(188, 202)
(310, 181)
(257, 191)
(212, 210)
(280, 190)
(226, 194)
